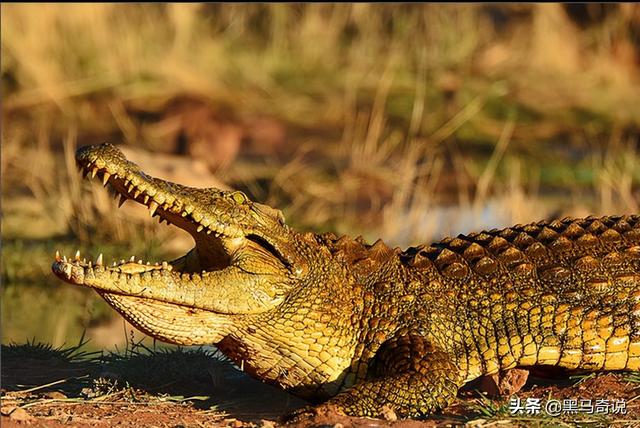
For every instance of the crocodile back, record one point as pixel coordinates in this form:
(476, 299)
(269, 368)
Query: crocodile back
(574, 258)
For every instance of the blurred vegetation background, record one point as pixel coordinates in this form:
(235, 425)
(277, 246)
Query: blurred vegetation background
(407, 122)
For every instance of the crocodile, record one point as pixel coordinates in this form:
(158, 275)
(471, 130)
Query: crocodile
(364, 327)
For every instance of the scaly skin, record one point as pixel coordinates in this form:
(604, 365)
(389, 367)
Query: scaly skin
(364, 326)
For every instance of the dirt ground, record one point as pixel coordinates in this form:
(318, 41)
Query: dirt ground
(50, 391)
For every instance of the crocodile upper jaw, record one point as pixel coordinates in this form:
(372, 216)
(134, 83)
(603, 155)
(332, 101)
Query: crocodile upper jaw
(229, 252)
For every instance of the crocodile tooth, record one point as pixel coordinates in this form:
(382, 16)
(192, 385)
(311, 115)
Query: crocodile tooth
(84, 260)
(200, 227)
(132, 259)
(114, 263)
(67, 270)
(64, 259)
(122, 200)
(90, 264)
(208, 231)
(77, 255)
(184, 213)
(105, 178)
(58, 258)
(131, 187)
(146, 199)
(94, 171)
(99, 260)
(122, 261)
(136, 193)
(140, 261)
(164, 265)
(153, 206)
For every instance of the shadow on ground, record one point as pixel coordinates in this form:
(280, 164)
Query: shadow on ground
(202, 376)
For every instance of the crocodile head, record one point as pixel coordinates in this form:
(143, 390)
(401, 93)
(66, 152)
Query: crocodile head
(243, 262)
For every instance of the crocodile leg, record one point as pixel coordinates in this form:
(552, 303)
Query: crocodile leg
(411, 377)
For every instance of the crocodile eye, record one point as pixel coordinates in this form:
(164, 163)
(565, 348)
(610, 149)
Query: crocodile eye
(239, 197)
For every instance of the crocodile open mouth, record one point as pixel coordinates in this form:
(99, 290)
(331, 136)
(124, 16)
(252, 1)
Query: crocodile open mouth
(219, 242)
